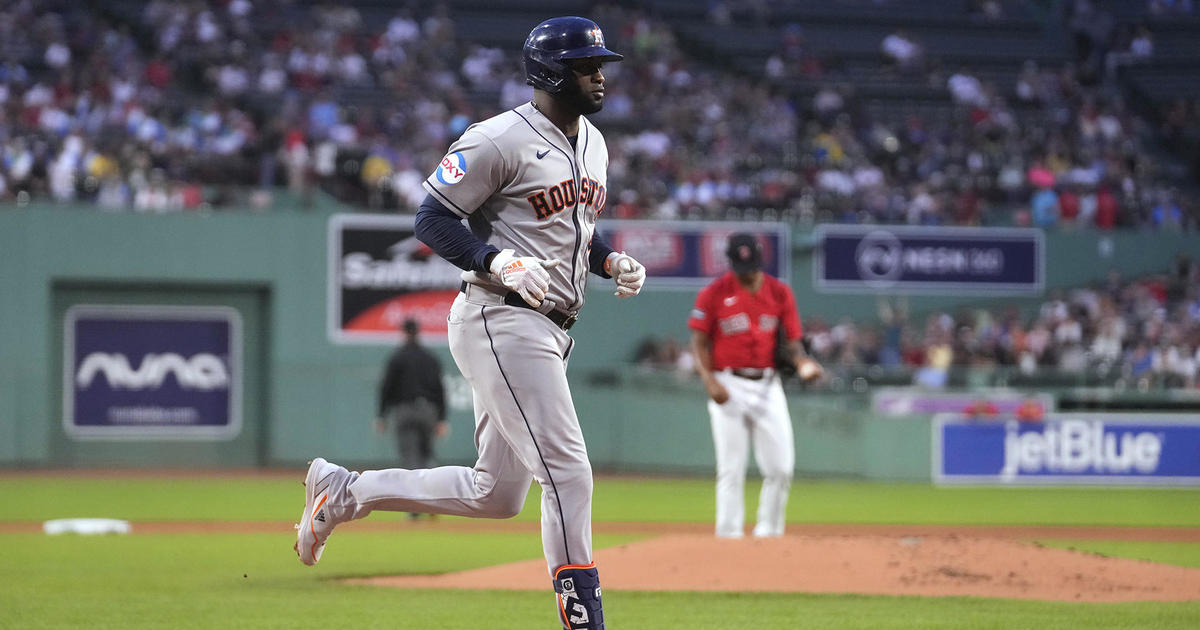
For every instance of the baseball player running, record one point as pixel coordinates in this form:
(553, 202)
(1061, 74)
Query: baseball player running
(734, 333)
(530, 183)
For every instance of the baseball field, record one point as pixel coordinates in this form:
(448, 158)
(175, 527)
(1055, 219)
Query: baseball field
(214, 551)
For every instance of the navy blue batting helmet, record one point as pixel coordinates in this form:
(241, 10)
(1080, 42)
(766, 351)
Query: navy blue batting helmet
(558, 39)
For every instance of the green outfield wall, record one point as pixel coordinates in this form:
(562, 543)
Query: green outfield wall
(304, 395)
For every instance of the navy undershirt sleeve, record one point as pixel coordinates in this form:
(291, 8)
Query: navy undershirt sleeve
(600, 251)
(443, 231)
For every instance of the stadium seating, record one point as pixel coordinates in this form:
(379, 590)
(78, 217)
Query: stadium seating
(302, 96)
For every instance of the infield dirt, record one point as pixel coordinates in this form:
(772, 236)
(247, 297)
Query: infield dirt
(926, 562)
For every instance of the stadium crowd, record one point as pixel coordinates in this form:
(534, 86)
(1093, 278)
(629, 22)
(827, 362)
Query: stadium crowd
(1144, 332)
(174, 104)
(1059, 144)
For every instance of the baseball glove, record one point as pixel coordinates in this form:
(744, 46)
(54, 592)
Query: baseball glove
(785, 363)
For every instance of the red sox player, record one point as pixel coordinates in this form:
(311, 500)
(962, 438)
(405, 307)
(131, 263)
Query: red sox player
(733, 340)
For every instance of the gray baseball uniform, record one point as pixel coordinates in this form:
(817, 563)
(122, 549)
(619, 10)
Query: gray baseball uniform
(530, 196)
(521, 185)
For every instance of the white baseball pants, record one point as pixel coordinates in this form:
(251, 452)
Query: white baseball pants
(757, 413)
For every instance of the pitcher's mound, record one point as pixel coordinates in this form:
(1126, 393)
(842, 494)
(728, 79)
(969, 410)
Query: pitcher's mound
(878, 565)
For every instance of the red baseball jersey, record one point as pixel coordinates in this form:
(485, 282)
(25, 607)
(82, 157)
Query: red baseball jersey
(742, 324)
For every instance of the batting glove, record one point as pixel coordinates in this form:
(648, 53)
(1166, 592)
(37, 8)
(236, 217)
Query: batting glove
(629, 274)
(524, 274)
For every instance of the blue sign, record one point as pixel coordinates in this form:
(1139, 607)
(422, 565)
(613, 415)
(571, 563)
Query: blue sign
(1140, 449)
(929, 260)
(152, 372)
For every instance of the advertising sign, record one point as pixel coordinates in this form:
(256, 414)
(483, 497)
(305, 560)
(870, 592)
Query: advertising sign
(152, 372)
(1068, 449)
(930, 260)
(381, 275)
(689, 254)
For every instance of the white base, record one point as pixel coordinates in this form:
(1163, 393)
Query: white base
(86, 526)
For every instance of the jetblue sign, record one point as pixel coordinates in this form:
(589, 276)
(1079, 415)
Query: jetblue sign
(929, 260)
(152, 372)
(1149, 449)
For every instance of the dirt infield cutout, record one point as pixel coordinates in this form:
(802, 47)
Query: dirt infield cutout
(940, 565)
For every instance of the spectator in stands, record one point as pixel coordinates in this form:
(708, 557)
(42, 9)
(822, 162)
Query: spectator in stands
(1079, 332)
(1170, 7)
(966, 89)
(902, 51)
(715, 145)
(1106, 346)
(939, 354)
(1044, 208)
(1130, 46)
(1068, 205)
(1107, 208)
(794, 57)
(1092, 28)
(1166, 213)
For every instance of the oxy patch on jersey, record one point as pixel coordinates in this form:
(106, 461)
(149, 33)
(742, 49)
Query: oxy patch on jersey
(550, 201)
(452, 169)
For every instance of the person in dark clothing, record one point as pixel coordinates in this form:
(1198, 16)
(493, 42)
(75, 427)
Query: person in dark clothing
(412, 399)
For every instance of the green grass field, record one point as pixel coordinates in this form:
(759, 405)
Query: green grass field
(207, 581)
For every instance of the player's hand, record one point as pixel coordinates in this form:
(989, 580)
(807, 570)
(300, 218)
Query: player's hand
(524, 274)
(629, 274)
(716, 391)
(380, 426)
(808, 370)
(441, 429)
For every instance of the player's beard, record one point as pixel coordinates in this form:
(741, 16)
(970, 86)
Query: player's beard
(573, 96)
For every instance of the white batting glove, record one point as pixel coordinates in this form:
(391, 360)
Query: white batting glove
(524, 274)
(629, 274)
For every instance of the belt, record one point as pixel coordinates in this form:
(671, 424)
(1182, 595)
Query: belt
(754, 374)
(562, 319)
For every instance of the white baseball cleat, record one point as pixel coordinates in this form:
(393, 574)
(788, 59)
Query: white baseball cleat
(317, 521)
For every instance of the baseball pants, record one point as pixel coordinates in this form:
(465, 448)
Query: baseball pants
(756, 413)
(525, 429)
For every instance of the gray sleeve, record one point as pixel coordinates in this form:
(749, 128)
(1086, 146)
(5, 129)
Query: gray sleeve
(472, 170)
